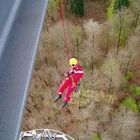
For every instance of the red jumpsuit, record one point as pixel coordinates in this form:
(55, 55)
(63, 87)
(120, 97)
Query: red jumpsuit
(71, 81)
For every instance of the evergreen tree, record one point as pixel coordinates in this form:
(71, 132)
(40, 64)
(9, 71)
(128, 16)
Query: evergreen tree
(77, 7)
(119, 4)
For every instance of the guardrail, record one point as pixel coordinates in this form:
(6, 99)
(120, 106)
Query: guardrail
(44, 134)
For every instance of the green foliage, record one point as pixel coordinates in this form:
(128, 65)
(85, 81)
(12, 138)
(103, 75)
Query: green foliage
(129, 76)
(122, 27)
(139, 105)
(53, 4)
(135, 90)
(96, 137)
(110, 9)
(77, 7)
(130, 103)
(119, 4)
(52, 7)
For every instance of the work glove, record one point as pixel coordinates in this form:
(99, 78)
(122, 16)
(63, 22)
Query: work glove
(69, 72)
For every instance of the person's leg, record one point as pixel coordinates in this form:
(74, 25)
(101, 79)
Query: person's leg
(61, 89)
(65, 83)
(69, 92)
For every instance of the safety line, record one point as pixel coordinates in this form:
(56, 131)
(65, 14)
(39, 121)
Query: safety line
(68, 57)
(64, 30)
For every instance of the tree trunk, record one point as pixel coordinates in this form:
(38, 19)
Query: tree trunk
(93, 41)
(110, 82)
(132, 64)
(65, 5)
(107, 46)
(77, 46)
(128, 63)
(119, 37)
(137, 18)
(92, 64)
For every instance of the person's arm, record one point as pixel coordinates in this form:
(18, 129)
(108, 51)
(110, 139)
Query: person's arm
(69, 72)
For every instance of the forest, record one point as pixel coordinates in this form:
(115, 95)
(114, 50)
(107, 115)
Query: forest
(104, 35)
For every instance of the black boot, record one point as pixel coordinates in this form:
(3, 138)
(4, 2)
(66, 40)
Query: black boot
(57, 97)
(64, 104)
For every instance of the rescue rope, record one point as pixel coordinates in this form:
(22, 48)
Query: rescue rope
(64, 112)
(68, 119)
(64, 30)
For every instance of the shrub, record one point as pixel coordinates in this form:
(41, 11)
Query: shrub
(129, 76)
(130, 103)
(110, 9)
(96, 137)
(119, 4)
(77, 7)
(135, 90)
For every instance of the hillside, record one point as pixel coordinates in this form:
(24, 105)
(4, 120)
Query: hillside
(106, 41)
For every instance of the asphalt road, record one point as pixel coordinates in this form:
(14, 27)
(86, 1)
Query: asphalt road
(20, 27)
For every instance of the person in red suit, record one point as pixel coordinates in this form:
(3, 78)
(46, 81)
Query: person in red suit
(71, 82)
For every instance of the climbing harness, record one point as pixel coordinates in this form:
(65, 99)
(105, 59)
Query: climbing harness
(48, 134)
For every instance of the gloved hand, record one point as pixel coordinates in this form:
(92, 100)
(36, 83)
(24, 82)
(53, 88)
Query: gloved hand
(69, 72)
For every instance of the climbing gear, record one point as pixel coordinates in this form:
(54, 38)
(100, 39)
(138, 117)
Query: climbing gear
(64, 30)
(73, 83)
(57, 98)
(73, 62)
(64, 104)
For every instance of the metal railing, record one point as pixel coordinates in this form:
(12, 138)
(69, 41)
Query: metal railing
(44, 134)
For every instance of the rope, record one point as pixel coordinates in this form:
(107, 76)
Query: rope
(64, 30)
(68, 120)
(68, 57)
